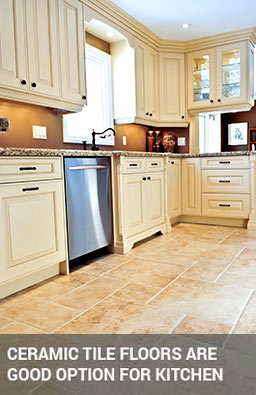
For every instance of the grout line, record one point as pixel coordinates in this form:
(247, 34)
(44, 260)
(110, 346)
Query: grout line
(171, 282)
(173, 328)
(89, 308)
(228, 266)
(25, 324)
(226, 237)
(241, 312)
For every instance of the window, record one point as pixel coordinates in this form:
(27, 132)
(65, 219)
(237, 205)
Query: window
(98, 114)
(209, 133)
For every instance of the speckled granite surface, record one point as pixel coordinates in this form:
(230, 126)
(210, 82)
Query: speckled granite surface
(56, 152)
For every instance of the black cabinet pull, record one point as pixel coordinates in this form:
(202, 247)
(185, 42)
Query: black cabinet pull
(23, 82)
(150, 114)
(144, 178)
(224, 205)
(224, 163)
(211, 101)
(147, 113)
(27, 168)
(33, 84)
(84, 97)
(30, 189)
(219, 100)
(133, 164)
(183, 117)
(227, 181)
(149, 178)
(172, 162)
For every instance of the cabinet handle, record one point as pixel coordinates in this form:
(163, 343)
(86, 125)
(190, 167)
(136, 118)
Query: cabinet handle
(84, 97)
(219, 100)
(224, 181)
(27, 168)
(211, 101)
(147, 113)
(144, 178)
(30, 189)
(150, 114)
(183, 117)
(133, 164)
(23, 82)
(224, 205)
(33, 84)
(149, 178)
(154, 164)
(172, 162)
(224, 163)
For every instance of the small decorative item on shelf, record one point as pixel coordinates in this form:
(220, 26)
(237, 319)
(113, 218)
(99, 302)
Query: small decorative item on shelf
(150, 140)
(158, 141)
(4, 124)
(169, 142)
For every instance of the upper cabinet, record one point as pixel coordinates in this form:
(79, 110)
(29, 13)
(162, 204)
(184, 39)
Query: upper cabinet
(32, 69)
(221, 77)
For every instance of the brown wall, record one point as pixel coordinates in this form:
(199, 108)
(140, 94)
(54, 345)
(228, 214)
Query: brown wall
(226, 119)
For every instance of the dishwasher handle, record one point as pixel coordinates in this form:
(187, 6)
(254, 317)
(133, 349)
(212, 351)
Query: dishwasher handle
(89, 167)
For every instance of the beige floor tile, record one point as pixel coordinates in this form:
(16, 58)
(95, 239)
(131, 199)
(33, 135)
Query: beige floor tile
(194, 325)
(35, 312)
(136, 293)
(243, 240)
(117, 316)
(238, 280)
(20, 329)
(152, 273)
(212, 251)
(92, 293)
(247, 321)
(249, 251)
(214, 302)
(245, 265)
(4, 322)
(115, 259)
(54, 288)
(97, 268)
(206, 269)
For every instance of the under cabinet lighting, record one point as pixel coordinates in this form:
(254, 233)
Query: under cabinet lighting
(110, 34)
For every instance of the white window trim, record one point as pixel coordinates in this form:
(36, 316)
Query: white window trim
(101, 57)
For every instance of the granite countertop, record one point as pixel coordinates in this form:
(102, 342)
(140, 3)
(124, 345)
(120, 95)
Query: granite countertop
(58, 152)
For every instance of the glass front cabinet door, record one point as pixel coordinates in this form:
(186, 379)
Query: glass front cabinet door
(201, 78)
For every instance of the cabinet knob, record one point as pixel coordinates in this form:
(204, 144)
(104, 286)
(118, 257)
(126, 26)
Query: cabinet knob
(219, 100)
(84, 97)
(211, 101)
(150, 114)
(172, 162)
(147, 113)
(23, 82)
(144, 178)
(33, 84)
(183, 117)
(149, 178)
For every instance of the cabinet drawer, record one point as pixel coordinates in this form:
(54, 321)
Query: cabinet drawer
(133, 165)
(152, 164)
(235, 206)
(235, 162)
(29, 169)
(226, 181)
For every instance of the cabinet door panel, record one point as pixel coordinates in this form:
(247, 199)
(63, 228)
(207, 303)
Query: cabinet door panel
(172, 87)
(12, 44)
(155, 199)
(42, 46)
(174, 188)
(32, 227)
(153, 84)
(141, 80)
(72, 47)
(191, 186)
(134, 204)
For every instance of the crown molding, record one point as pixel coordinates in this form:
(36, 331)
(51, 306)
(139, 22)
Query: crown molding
(131, 28)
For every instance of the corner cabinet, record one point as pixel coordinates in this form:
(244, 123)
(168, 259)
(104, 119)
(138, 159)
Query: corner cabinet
(139, 200)
(32, 68)
(222, 77)
(174, 187)
(191, 186)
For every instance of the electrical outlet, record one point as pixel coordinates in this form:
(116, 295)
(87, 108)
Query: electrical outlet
(181, 141)
(39, 132)
(124, 140)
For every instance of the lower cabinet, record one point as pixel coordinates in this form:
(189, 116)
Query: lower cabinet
(191, 186)
(174, 187)
(32, 228)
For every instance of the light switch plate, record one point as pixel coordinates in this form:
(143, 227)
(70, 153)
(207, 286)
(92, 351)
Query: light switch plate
(181, 141)
(124, 140)
(39, 132)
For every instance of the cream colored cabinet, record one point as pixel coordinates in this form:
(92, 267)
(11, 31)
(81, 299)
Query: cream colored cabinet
(42, 52)
(221, 77)
(147, 82)
(172, 88)
(191, 186)
(174, 187)
(135, 204)
(155, 199)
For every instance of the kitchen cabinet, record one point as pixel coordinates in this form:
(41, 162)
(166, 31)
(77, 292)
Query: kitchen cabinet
(32, 235)
(191, 186)
(32, 68)
(172, 88)
(221, 77)
(139, 200)
(174, 187)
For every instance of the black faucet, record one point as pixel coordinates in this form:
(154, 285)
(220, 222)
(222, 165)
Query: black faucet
(94, 147)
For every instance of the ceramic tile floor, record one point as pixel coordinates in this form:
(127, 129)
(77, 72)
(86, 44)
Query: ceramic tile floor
(197, 279)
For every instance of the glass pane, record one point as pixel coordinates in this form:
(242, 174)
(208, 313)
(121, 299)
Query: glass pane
(201, 78)
(231, 73)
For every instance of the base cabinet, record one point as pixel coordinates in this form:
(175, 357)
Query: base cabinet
(174, 187)
(191, 186)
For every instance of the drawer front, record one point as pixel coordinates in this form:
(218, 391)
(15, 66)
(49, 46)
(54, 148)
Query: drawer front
(133, 165)
(29, 169)
(235, 206)
(227, 162)
(226, 181)
(154, 164)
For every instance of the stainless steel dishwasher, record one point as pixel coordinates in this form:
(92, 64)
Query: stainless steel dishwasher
(88, 202)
